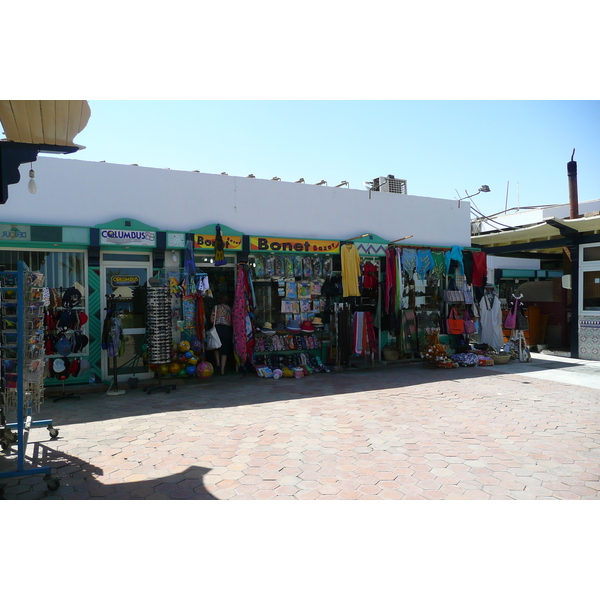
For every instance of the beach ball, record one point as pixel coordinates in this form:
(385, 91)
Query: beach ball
(204, 370)
(164, 369)
(196, 346)
(153, 368)
(190, 370)
(193, 360)
(184, 346)
(188, 355)
(174, 368)
(182, 373)
(181, 358)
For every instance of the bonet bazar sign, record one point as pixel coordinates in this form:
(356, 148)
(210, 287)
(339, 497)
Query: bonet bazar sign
(293, 245)
(207, 242)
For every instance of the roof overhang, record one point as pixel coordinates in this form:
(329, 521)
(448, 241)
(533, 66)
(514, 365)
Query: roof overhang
(548, 237)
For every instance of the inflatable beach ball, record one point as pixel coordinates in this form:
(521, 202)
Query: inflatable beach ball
(174, 367)
(184, 346)
(204, 370)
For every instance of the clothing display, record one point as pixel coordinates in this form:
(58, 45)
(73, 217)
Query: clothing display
(350, 270)
(490, 320)
(454, 258)
(479, 269)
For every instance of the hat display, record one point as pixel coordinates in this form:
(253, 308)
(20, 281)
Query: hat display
(64, 347)
(317, 322)
(307, 327)
(58, 366)
(71, 297)
(279, 327)
(293, 326)
(267, 329)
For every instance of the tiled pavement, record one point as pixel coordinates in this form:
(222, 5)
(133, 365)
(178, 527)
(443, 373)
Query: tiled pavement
(398, 432)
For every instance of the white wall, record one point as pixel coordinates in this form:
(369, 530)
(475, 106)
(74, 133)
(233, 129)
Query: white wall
(76, 192)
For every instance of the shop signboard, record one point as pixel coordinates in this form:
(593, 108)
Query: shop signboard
(123, 237)
(207, 242)
(11, 233)
(275, 244)
(125, 281)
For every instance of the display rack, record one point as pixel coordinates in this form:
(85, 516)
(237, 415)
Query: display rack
(115, 332)
(158, 333)
(23, 362)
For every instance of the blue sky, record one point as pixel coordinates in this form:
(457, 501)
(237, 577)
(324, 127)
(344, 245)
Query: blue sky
(437, 146)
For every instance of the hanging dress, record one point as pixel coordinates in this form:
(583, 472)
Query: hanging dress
(350, 270)
(490, 322)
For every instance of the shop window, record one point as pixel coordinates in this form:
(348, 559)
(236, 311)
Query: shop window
(591, 291)
(591, 254)
(61, 269)
(126, 257)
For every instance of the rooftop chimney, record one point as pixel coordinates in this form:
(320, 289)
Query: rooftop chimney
(573, 197)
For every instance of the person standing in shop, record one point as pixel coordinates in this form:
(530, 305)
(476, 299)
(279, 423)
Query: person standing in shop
(221, 319)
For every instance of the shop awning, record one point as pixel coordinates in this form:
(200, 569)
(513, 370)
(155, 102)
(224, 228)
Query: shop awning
(544, 234)
(49, 122)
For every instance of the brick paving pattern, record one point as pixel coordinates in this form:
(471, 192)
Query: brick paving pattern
(395, 433)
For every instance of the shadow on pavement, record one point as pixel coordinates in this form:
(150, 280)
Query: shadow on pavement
(235, 390)
(79, 481)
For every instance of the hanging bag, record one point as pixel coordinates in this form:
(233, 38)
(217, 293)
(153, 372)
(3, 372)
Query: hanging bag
(452, 294)
(454, 325)
(212, 339)
(467, 293)
(511, 317)
(469, 323)
(522, 322)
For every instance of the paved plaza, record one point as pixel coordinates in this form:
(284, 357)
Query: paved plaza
(521, 431)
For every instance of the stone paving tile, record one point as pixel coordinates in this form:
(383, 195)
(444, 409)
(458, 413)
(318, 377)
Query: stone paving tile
(398, 433)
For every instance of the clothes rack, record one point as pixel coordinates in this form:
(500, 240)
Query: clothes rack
(113, 324)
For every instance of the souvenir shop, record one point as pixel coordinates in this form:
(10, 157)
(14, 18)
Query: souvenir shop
(292, 304)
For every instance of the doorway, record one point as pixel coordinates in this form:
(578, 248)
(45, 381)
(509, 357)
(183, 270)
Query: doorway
(123, 277)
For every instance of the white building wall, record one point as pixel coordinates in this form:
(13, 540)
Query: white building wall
(76, 192)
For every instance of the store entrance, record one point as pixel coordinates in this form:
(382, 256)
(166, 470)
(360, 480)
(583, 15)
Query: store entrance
(123, 278)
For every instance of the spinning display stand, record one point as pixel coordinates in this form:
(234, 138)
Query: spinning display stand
(158, 333)
(22, 389)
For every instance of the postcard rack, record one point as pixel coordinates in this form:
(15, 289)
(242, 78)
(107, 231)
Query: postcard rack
(22, 367)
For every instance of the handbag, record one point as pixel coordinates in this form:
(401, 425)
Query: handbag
(454, 325)
(470, 326)
(522, 322)
(213, 341)
(511, 318)
(467, 294)
(452, 294)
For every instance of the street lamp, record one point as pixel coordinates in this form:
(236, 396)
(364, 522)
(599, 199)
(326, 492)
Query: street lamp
(483, 188)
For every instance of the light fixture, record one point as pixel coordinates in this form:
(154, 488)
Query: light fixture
(342, 184)
(250, 176)
(322, 182)
(31, 186)
(301, 180)
(276, 179)
(483, 188)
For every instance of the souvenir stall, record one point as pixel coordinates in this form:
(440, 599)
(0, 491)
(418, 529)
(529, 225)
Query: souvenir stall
(436, 305)
(292, 281)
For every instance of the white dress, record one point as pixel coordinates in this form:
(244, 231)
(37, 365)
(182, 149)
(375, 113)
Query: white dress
(490, 322)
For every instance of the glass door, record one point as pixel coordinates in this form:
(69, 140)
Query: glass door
(124, 281)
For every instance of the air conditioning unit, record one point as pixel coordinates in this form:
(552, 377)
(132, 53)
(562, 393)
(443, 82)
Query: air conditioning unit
(389, 184)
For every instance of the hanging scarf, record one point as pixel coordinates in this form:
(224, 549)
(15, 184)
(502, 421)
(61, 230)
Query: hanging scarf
(424, 262)
(409, 261)
(242, 316)
(455, 254)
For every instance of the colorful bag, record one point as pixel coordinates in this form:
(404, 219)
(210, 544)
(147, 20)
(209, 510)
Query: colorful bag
(467, 294)
(454, 325)
(452, 294)
(470, 326)
(511, 318)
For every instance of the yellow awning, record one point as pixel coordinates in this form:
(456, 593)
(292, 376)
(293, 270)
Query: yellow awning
(52, 122)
